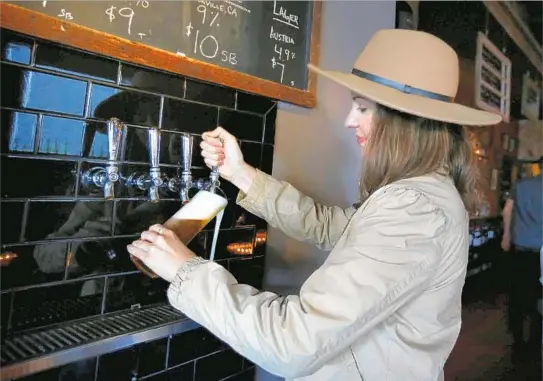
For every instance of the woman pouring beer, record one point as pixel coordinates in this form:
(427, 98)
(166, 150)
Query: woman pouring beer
(386, 303)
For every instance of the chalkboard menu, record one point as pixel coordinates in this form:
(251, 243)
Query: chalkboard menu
(269, 40)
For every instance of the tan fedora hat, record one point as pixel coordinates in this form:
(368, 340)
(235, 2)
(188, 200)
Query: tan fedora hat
(410, 71)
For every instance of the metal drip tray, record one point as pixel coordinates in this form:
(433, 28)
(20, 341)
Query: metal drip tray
(40, 349)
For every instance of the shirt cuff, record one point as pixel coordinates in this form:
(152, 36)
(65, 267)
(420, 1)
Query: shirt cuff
(253, 201)
(183, 274)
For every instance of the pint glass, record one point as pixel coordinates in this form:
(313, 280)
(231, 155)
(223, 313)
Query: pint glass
(188, 221)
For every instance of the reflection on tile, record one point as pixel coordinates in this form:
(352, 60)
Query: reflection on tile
(118, 366)
(218, 366)
(151, 80)
(5, 308)
(50, 220)
(136, 144)
(243, 126)
(61, 136)
(133, 217)
(18, 131)
(251, 153)
(11, 219)
(105, 256)
(181, 373)
(190, 345)
(254, 103)
(131, 107)
(81, 371)
(209, 93)
(15, 48)
(269, 129)
(42, 177)
(244, 218)
(267, 159)
(249, 271)
(95, 144)
(31, 265)
(188, 117)
(151, 357)
(129, 290)
(42, 306)
(32, 90)
(197, 159)
(74, 62)
(235, 243)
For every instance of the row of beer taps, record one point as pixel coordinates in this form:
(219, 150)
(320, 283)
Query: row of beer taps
(152, 181)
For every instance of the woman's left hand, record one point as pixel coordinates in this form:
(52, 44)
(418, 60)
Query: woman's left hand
(161, 250)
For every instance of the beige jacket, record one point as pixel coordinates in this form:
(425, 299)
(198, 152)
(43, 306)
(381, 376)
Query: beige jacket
(385, 306)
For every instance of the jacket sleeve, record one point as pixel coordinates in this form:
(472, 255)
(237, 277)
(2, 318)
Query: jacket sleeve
(298, 216)
(391, 250)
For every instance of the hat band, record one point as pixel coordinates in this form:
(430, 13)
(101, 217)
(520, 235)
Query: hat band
(401, 87)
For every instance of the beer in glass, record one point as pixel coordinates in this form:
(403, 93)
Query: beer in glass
(188, 221)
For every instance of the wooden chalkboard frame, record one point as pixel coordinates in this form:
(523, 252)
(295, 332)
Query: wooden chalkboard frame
(39, 25)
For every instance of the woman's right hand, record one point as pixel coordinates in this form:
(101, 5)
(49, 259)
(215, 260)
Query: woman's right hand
(221, 149)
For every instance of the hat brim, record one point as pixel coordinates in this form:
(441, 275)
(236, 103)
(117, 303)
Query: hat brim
(410, 103)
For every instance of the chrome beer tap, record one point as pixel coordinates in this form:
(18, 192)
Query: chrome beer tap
(107, 177)
(153, 180)
(155, 177)
(187, 142)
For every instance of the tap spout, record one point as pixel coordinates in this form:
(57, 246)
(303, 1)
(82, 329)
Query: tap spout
(155, 176)
(187, 144)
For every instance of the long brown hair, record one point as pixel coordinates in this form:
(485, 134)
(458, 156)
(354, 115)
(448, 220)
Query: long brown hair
(402, 146)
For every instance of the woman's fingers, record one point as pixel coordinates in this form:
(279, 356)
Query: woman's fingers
(138, 252)
(210, 148)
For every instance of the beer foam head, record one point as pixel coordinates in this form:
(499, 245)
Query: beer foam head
(203, 206)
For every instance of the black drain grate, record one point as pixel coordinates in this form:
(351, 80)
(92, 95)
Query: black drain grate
(41, 342)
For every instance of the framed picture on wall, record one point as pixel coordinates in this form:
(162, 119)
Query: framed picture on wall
(512, 144)
(505, 141)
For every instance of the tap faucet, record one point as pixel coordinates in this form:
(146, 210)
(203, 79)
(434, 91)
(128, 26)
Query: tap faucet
(187, 142)
(155, 176)
(107, 177)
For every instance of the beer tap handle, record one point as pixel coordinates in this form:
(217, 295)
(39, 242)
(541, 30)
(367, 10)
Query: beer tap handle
(187, 143)
(154, 170)
(116, 132)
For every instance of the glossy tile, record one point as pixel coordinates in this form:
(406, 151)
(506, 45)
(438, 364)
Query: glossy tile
(254, 103)
(266, 164)
(42, 178)
(188, 117)
(81, 371)
(29, 89)
(181, 373)
(152, 357)
(69, 61)
(218, 366)
(18, 131)
(251, 153)
(154, 81)
(242, 125)
(11, 217)
(15, 48)
(131, 107)
(244, 218)
(248, 271)
(247, 375)
(105, 256)
(209, 93)
(118, 366)
(33, 265)
(269, 125)
(133, 217)
(126, 291)
(61, 220)
(42, 306)
(61, 136)
(193, 344)
(235, 243)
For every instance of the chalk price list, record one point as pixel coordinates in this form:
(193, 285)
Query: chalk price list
(282, 51)
(204, 43)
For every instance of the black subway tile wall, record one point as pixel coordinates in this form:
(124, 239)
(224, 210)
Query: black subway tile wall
(64, 246)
